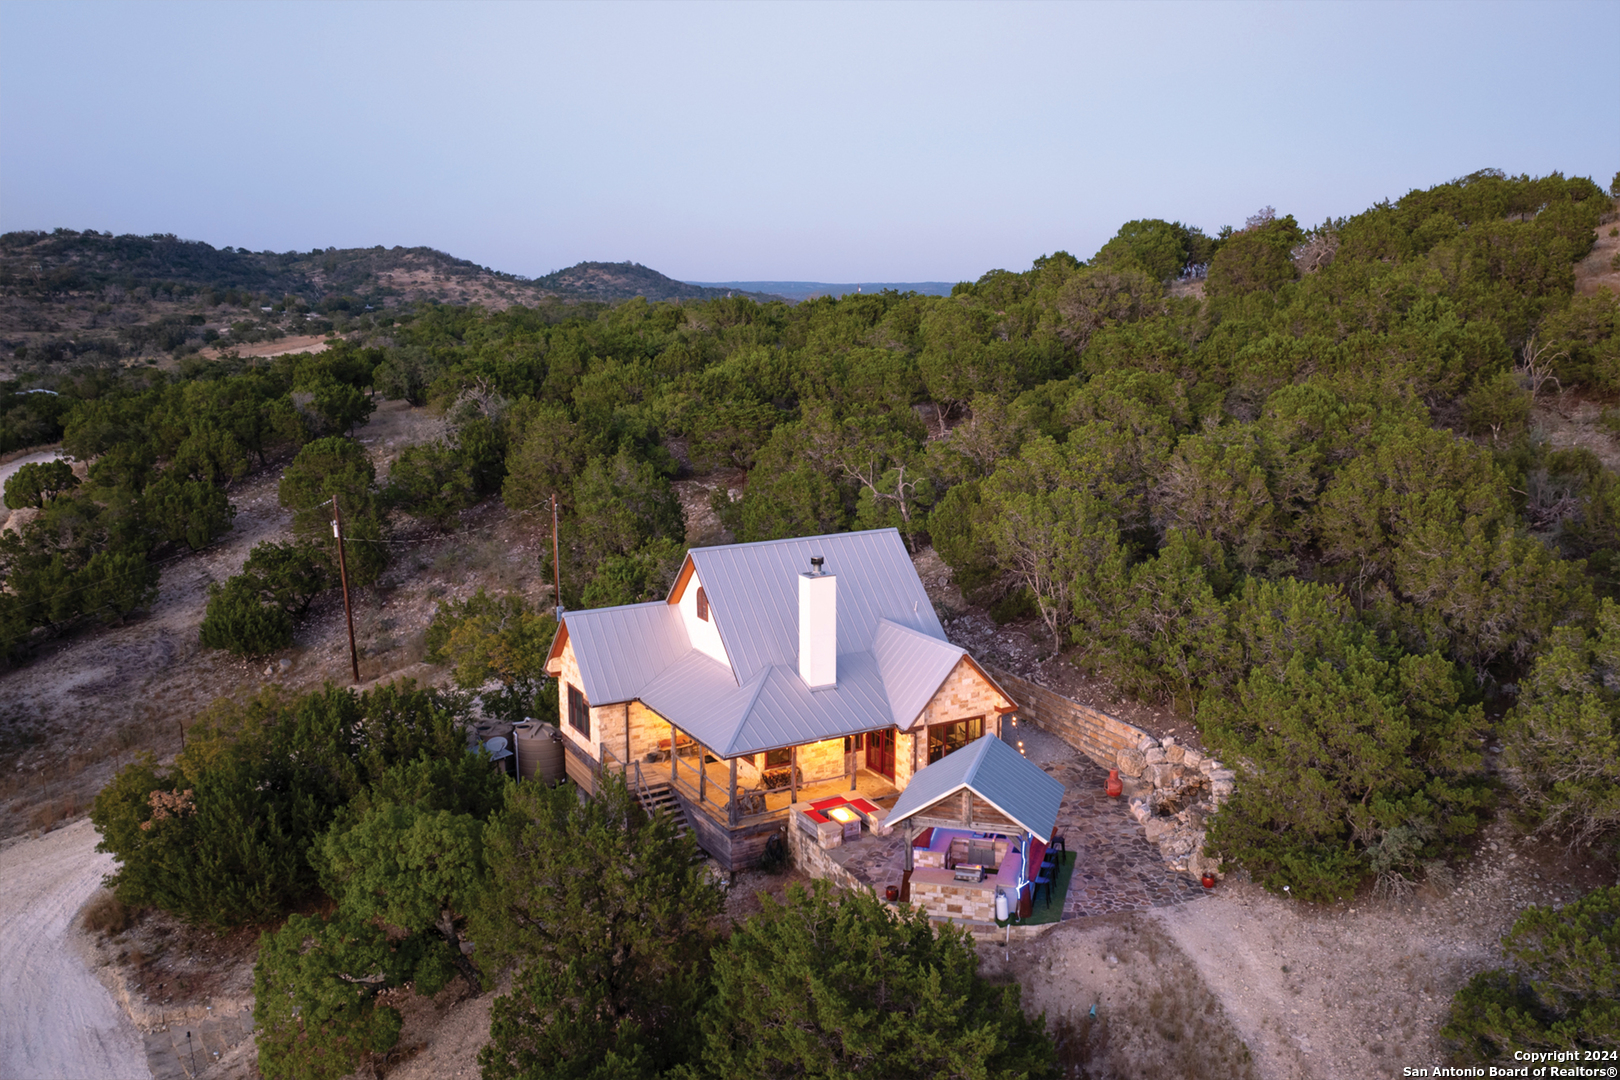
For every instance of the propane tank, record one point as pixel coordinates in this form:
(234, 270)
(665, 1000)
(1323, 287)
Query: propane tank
(1115, 785)
(1001, 906)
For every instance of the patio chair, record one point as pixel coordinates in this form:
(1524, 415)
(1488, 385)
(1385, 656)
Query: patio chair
(1043, 878)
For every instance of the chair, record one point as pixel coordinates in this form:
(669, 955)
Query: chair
(1043, 878)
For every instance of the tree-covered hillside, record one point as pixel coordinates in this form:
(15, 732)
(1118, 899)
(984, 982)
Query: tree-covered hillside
(1303, 499)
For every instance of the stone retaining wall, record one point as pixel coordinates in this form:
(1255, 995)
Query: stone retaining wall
(1095, 734)
(1172, 791)
(810, 857)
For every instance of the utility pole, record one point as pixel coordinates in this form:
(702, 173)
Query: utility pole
(556, 562)
(343, 574)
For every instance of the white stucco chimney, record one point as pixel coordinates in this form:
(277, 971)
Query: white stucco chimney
(818, 627)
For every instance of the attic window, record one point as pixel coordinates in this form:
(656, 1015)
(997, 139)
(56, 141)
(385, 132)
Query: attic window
(702, 604)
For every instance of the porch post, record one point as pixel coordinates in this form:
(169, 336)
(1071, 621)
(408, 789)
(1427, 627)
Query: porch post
(703, 774)
(908, 834)
(673, 756)
(731, 804)
(849, 764)
(793, 773)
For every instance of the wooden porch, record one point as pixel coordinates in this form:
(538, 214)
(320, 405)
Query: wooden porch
(734, 814)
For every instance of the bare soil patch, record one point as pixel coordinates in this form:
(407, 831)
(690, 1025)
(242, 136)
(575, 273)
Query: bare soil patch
(1597, 271)
(303, 343)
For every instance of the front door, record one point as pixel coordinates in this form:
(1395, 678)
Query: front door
(880, 751)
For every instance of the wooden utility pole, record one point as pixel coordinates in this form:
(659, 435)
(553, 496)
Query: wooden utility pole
(343, 574)
(556, 563)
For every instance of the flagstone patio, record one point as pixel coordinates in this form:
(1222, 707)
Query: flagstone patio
(1116, 869)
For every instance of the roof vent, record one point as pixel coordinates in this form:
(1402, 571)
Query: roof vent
(818, 627)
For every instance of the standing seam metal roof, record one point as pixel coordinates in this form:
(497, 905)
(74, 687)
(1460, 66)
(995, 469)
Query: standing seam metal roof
(892, 652)
(996, 773)
(753, 594)
(619, 648)
(913, 666)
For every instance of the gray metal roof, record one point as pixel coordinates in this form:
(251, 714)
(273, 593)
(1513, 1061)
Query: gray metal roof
(753, 593)
(619, 648)
(995, 772)
(892, 652)
(913, 665)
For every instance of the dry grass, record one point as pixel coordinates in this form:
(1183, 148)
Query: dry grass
(106, 914)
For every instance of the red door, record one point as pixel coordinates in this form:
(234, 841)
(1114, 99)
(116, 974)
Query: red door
(880, 751)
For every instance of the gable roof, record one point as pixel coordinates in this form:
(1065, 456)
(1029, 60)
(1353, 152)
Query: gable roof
(913, 666)
(892, 652)
(617, 647)
(996, 773)
(754, 598)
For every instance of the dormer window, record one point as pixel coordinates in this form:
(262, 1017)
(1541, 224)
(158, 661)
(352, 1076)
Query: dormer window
(702, 604)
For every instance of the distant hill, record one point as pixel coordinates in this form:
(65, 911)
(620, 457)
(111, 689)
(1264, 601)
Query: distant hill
(805, 290)
(620, 281)
(43, 265)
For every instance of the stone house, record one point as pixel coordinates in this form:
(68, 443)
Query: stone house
(773, 673)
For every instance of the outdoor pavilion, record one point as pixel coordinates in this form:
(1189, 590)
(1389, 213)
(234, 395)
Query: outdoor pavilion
(976, 822)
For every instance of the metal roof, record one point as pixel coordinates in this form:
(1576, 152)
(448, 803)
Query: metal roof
(619, 648)
(892, 652)
(995, 772)
(753, 594)
(913, 666)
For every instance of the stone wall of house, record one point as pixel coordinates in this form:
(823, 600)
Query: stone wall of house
(1172, 791)
(647, 730)
(963, 694)
(821, 760)
(570, 676)
(906, 751)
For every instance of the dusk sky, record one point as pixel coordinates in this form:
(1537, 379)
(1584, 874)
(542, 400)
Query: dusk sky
(831, 142)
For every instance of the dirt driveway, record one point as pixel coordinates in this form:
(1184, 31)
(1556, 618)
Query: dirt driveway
(56, 1020)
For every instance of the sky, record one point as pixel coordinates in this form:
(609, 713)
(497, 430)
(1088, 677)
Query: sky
(731, 141)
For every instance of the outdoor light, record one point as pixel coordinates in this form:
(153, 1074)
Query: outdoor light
(843, 814)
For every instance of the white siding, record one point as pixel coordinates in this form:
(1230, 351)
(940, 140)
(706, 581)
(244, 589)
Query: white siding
(704, 634)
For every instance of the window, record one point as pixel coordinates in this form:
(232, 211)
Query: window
(702, 604)
(779, 759)
(948, 738)
(579, 711)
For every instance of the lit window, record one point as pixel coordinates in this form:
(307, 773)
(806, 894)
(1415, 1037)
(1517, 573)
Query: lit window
(702, 604)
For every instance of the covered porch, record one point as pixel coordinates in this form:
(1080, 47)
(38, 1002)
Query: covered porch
(735, 804)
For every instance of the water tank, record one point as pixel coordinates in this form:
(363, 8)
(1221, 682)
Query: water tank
(539, 751)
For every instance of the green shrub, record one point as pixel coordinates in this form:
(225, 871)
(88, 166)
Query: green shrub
(1563, 736)
(1349, 767)
(497, 639)
(1562, 992)
(238, 622)
(38, 482)
(223, 838)
(835, 983)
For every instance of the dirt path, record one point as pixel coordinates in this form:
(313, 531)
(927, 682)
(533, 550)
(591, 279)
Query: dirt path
(56, 1020)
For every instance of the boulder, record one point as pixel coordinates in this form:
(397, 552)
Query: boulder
(1130, 763)
(1154, 756)
(1217, 775)
(1163, 775)
(1174, 754)
(1192, 759)
(1157, 828)
(1134, 787)
(1146, 743)
(1140, 810)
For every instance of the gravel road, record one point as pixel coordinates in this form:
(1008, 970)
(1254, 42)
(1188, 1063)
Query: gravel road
(56, 1020)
